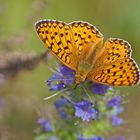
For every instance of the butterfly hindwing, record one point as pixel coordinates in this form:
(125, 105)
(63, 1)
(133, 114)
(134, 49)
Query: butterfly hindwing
(115, 67)
(122, 73)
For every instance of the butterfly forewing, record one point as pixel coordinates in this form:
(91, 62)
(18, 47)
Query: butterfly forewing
(86, 37)
(71, 43)
(57, 36)
(115, 67)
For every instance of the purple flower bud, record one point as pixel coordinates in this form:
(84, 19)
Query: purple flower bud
(46, 126)
(115, 101)
(65, 76)
(81, 137)
(98, 88)
(116, 121)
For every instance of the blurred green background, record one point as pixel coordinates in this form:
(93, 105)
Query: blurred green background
(21, 95)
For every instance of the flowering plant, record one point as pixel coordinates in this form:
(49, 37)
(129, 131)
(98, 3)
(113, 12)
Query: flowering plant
(88, 111)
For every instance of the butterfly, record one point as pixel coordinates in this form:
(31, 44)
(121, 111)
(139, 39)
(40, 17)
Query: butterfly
(79, 46)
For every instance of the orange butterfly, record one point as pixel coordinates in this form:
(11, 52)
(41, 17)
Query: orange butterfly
(79, 46)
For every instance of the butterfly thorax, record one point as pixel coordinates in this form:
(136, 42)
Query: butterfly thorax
(86, 63)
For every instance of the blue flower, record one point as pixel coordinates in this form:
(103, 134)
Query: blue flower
(57, 86)
(62, 102)
(64, 77)
(116, 121)
(81, 137)
(115, 101)
(60, 105)
(46, 126)
(99, 88)
(85, 111)
(96, 138)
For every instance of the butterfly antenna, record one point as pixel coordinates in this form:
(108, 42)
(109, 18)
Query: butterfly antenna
(56, 94)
